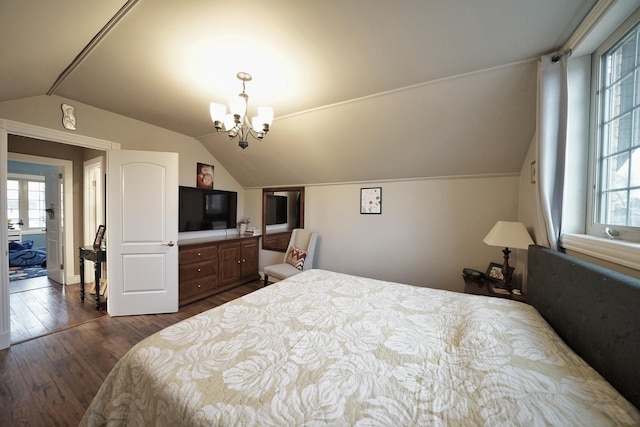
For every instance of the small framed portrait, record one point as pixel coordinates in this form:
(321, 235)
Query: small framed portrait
(99, 236)
(204, 176)
(494, 272)
(371, 200)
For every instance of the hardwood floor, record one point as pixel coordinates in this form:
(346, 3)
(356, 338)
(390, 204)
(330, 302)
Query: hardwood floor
(39, 306)
(51, 380)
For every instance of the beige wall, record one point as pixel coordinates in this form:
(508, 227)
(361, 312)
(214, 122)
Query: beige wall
(131, 134)
(429, 229)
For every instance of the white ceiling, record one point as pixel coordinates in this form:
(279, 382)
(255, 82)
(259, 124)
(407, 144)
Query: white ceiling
(362, 89)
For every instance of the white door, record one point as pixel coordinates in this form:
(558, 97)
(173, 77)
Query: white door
(93, 205)
(142, 232)
(54, 214)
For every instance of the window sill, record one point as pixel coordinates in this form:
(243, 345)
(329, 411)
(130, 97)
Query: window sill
(616, 251)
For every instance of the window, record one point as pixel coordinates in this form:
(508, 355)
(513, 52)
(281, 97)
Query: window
(26, 202)
(616, 189)
(13, 201)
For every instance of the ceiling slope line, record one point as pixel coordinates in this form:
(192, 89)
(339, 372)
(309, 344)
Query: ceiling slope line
(92, 45)
(392, 91)
(393, 180)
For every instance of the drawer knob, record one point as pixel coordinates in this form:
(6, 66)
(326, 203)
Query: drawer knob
(238, 261)
(199, 270)
(199, 285)
(199, 254)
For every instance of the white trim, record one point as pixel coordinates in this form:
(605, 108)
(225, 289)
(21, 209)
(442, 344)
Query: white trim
(37, 132)
(5, 318)
(53, 135)
(616, 251)
(24, 176)
(388, 181)
(588, 24)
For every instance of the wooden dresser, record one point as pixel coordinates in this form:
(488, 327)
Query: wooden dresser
(211, 266)
(277, 241)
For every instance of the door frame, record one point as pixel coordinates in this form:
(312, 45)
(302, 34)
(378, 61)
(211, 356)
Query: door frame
(37, 132)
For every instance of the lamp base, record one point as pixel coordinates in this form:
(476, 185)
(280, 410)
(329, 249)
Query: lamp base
(506, 270)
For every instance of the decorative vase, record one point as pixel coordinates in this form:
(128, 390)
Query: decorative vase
(243, 228)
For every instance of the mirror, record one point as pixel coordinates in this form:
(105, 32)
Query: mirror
(282, 211)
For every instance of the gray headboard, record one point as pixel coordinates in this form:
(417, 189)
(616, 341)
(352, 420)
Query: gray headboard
(596, 311)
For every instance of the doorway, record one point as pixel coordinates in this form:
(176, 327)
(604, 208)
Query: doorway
(8, 127)
(66, 259)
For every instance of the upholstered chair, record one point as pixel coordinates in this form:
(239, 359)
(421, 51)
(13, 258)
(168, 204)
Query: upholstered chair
(297, 258)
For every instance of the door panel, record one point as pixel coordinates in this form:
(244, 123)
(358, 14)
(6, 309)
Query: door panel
(142, 231)
(55, 231)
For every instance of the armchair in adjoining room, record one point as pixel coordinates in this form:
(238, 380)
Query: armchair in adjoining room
(297, 258)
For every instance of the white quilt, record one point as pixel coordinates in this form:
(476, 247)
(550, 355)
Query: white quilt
(325, 348)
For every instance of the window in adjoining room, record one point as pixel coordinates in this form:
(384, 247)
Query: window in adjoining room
(26, 202)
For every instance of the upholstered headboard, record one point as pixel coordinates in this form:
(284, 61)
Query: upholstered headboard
(596, 311)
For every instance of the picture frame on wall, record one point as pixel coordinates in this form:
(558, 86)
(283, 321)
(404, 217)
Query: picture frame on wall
(371, 200)
(204, 176)
(99, 236)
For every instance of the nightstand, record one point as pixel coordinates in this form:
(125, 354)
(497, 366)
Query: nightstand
(488, 288)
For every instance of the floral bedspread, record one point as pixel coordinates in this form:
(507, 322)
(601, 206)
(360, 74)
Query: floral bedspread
(324, 348)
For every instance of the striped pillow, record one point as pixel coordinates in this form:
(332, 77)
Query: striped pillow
(296, 257)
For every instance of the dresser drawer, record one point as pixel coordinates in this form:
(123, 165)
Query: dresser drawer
(198, 254)
(198, 270)
(193, 289)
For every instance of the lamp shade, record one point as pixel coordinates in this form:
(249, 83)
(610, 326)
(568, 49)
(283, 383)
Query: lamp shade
(509, 235)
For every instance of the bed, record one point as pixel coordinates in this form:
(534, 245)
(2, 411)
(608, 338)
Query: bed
(23, 254)
(324, 348)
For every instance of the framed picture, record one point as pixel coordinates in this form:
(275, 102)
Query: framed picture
(371, 200)
(204, 176)
(494, 272)
(99, 236)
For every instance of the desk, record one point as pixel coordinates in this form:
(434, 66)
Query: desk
(98, 256)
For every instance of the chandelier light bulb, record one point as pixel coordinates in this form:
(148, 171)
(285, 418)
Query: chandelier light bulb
(238, 105)
(236, 124)
(229, 122)
(267, 115)
(217, 111)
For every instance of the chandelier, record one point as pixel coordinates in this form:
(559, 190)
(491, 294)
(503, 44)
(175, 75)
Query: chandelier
(236, 124)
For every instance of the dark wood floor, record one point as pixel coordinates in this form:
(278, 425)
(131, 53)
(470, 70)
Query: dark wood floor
(40, 306)
(51, 380)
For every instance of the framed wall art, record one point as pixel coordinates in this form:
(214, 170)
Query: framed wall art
(204, 176)
(371, 200)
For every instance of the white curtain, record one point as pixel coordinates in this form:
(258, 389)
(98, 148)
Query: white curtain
(551, 134)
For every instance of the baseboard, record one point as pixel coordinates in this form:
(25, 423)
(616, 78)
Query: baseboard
(5, 340)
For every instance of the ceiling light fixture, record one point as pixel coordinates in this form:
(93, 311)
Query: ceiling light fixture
(236, 124)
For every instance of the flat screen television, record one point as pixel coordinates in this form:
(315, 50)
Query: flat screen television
(206, 209)
(276, 210)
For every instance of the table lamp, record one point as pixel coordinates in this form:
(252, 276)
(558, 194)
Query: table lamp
(508, 235)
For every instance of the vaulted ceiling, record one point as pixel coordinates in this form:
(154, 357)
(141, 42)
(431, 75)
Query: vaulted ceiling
(362, 89)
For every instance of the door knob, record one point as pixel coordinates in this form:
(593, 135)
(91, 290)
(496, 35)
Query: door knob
(169, 244)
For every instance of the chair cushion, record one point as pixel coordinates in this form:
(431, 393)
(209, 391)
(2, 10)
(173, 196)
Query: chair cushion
(281, 271)
(296, 257)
